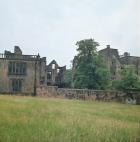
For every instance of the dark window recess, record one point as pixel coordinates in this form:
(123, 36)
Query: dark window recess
(16, 85)
(17, 68)
(49, 75)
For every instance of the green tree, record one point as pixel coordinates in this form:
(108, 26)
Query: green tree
(89, 70)
(68, 78)
(129, 81)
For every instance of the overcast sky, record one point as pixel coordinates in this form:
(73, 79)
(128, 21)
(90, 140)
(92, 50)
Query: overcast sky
(52, 27)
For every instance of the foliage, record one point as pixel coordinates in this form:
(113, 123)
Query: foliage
(129, 80)
(68, 78)
(27, 119)
(89, 70)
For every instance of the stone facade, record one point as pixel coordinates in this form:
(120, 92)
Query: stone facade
(111, 60)
(114, 62)
(24, 73)
(21, 73)
(55, 73)
(47, 91)
(126, 59)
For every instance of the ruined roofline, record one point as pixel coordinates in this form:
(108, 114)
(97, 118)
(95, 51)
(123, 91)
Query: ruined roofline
(122, 56)
(110, 51)
(54, 62)
(107, 49)
(21, 57)
(13, 54)
(17, 55)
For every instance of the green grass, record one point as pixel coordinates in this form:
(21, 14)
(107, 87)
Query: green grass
(33, 119)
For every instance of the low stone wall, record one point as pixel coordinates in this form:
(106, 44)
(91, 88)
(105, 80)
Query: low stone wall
(82, 94)
(47, 91)
(85, 94)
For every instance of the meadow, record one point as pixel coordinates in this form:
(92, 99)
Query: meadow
(34, 119)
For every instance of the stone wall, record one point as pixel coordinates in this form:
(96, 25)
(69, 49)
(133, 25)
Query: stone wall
(47, 91)
(85, 94)
(82, 94)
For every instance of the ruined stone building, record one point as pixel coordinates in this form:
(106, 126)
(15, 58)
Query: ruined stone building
(114, 62)
(126, 59)
(55, 73)
(21, 73)
(111, 59)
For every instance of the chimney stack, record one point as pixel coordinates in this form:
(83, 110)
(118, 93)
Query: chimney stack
(108, 46)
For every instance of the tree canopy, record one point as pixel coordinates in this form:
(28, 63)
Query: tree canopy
(128, 79)
(89, 70)
(68, 78)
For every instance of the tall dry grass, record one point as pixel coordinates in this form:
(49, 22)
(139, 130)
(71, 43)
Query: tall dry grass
(30, 119)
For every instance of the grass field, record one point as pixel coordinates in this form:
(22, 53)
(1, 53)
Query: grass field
(33, 119)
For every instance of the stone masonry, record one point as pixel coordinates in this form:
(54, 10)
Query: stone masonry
(55, 73)
(114, 62)
(21, 73)
(85, 94)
